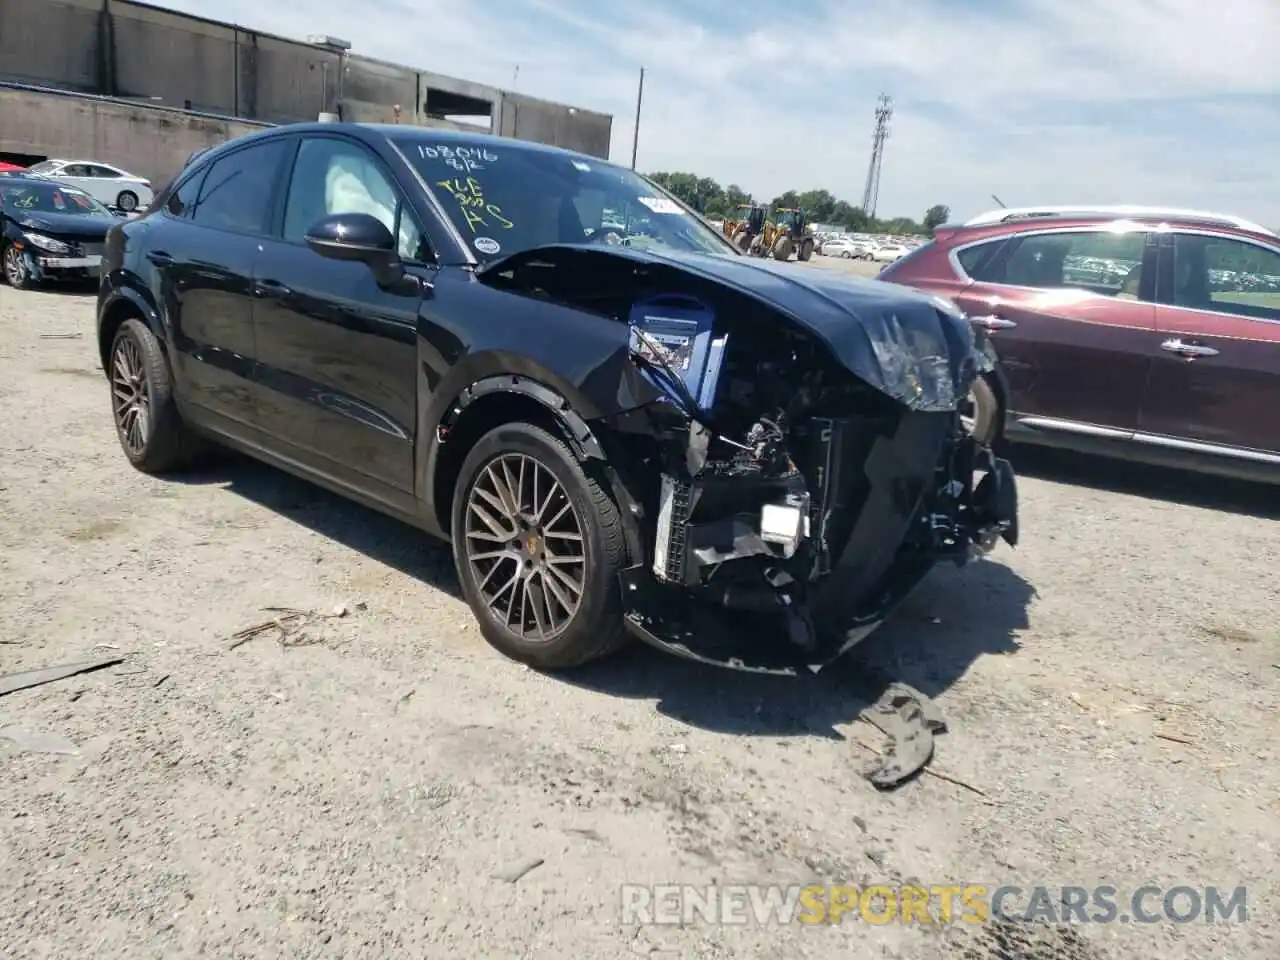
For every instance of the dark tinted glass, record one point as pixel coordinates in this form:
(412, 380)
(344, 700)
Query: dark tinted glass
(236, 193)
(1227, 276)
(182, 201)
(975, 261)
(1104, 262)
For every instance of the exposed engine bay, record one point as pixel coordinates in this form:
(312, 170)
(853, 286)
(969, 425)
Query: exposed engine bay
(786, 504)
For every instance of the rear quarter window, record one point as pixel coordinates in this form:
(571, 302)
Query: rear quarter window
(976, 261)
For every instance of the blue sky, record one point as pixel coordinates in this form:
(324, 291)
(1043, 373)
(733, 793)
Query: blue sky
(1071, 101)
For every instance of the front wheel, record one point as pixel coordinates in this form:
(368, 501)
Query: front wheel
(538, 545)
(127, 201)
(15, 269)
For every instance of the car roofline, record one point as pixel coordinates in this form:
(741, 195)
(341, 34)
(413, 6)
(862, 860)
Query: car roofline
(1005, 215)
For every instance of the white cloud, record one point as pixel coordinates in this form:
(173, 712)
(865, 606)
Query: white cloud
(1146, 101)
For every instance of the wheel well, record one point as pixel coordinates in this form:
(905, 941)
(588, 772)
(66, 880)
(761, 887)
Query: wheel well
(478, 418)
(116, 315)
(1002, 401)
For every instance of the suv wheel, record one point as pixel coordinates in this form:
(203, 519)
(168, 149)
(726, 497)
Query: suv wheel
(538, 544)
(151, 432)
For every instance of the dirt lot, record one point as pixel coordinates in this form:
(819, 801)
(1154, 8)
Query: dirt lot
(1111, 686)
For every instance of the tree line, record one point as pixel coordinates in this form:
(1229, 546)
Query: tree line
(821, 206)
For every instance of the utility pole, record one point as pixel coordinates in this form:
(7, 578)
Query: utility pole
(884, 113)
(515, 77)
(635, 136)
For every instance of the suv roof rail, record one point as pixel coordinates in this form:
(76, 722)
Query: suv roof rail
(1004, 215)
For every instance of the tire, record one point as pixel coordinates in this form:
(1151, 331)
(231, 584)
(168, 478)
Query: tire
(805, 253)
(16, 273)
(137, 368)
(127, 201)
(985, 412)
(782, 248)
(846, 255)
(594, 628)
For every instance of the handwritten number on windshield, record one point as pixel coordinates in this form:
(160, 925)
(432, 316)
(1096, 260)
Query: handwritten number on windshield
(462, 159)
(469, 194)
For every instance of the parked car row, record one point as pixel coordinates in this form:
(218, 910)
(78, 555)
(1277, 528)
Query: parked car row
(109, 185)
(858, 246)
(1144, 333)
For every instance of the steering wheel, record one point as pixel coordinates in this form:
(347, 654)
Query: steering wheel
(609, 235)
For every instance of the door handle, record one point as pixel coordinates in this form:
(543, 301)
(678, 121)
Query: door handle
(992, 322)
(159, 258)
(270, 289)
(1188, 349)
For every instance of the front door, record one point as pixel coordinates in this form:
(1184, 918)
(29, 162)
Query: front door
(203, 252)
(1217, 376)
(1071, 318)
(337, 354)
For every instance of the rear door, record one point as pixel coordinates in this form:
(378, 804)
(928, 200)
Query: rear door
(1071, 316)
(203, 251)
(1216, 379)
(337, 378)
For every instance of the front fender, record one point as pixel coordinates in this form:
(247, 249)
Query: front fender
(120, 297)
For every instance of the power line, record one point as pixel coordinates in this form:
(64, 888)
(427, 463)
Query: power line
(884, 113)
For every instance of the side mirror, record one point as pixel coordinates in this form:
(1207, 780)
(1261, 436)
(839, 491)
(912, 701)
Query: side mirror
(359, 237)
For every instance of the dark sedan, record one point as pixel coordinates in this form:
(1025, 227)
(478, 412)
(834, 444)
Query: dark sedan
(623, 426)
(50, 231)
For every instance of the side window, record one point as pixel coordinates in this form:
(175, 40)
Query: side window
(1230, 276)
(976, 260)
(337, 176)
(1102, 262)
(76, 170)
(105, 173)
(182, 201)
(236, 193)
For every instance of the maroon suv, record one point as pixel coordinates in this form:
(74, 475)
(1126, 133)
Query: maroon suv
(1144, 333)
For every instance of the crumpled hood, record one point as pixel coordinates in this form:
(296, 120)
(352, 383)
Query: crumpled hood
(79, 226)
(907, 344)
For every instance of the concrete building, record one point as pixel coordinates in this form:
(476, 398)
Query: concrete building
(142, 87)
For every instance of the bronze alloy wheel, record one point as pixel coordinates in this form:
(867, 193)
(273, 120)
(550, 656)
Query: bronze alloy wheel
(130, 396)
(524, 543)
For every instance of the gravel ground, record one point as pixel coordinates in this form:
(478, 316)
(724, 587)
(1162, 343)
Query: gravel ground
(353, 790)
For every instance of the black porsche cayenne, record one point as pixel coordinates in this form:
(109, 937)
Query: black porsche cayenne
(624, 427)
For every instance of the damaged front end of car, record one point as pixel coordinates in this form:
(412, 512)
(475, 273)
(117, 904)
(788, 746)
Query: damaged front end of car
(804, 464)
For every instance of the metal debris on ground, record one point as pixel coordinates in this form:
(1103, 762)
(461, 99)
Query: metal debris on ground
(513, 873)
(909, 719)
(61, 336)
(33, 678)
(33, 742)
(289, 624)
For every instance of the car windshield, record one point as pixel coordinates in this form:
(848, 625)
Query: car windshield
(504, 198)
(32, 197)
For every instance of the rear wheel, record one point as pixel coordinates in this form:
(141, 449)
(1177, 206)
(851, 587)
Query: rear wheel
(15, 269)
(782, 248)
(151, 432)
(127, 201)
(538, 544)
(805, 252)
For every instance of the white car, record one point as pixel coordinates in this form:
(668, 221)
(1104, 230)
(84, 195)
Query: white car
(889, 253)
(846, 249)
(109, 185)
